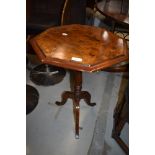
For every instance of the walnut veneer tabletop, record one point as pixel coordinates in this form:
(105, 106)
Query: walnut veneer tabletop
(80, 47)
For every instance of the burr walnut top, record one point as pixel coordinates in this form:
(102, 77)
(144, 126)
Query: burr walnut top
(80, 47)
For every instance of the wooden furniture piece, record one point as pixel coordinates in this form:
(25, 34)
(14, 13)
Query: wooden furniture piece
(116, 11)
(79, 48)
(121, 114)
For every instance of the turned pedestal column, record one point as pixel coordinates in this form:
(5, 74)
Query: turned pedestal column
(76, 95)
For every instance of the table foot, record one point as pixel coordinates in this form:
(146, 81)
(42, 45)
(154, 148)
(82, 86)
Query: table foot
(76, 136)
(64, 97)
(87, 97)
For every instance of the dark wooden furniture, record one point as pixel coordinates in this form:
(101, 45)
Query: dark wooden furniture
(121, 115)
(116, 11)
(79, 48)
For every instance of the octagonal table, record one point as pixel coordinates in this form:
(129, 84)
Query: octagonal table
(79, 48)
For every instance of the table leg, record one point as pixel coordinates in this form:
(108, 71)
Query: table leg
(76, 95)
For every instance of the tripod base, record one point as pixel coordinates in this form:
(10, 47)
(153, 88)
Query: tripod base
(76, 95)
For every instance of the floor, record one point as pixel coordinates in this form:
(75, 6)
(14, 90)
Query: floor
(50, 128)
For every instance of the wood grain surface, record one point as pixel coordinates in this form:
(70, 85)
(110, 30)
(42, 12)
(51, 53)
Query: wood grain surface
(80, 47)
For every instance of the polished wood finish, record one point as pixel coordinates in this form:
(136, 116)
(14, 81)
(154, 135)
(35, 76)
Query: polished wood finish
(95, 47)
(79, 48)
(76, 95)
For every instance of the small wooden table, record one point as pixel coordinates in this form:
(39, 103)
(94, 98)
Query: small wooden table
(79, 48)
